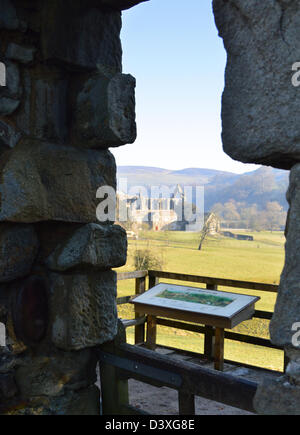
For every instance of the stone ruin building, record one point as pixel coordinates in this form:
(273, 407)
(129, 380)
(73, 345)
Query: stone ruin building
(165, 212)
(65, 103)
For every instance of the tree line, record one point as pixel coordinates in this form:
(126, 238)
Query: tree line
(234, 214)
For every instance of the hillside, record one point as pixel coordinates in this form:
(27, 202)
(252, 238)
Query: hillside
(256, 187)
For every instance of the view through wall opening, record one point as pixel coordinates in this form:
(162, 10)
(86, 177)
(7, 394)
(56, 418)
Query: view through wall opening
(179, 62)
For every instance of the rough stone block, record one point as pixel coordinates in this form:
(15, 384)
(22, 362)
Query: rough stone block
(80, 36)
(11, 93)
(52, 234)
(84, 311)
(104, 112)
(93, 245)
(18, 250)
(54, 182)
(8, 388)
(12, 88)
(121, 4)
(43, 111)
(293, 367)
(82, 402)
(8, 361)
(85, 401)
(277, 397)
(8, 105)
(53, 374)
(8, 17)
(287, 307)
(9, 136)
(260, 105)
(20, 53)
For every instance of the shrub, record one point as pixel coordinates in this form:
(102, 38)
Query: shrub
(145, 259)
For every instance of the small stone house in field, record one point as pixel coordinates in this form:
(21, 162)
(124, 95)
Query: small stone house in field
(213, 222)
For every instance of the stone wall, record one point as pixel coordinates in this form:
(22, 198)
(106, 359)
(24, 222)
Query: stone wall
(65, 103)
(260, 111)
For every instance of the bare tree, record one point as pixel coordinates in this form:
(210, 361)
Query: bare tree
(205, 230)
(204, 233)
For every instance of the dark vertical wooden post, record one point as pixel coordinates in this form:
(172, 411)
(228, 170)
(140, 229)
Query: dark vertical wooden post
(151, 332)
(209, 342)
(186, 403)
(209, 337)
(219, 349)
(151, 320)
(153, 281)
(114, 391)
(139, 330)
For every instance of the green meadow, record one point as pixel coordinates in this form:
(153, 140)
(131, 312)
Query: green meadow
(260, 260)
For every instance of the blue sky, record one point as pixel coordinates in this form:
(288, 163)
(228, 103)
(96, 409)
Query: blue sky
(173, 49)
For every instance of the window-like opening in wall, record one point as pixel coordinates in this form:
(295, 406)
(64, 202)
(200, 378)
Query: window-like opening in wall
(173, 49)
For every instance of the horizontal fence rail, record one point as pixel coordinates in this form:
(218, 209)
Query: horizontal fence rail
(188, 379)
(132, 275)
(211, 284)
(214, 281)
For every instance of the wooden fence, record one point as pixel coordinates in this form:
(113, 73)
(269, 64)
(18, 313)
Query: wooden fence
(211, 284)
(120, 361)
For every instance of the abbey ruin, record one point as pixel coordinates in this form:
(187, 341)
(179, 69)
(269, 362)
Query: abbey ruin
(65, 103)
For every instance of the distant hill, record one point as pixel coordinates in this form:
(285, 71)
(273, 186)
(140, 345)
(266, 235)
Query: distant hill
(256, 187)
(147, 175)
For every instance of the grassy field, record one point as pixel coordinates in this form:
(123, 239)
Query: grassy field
(260, 260)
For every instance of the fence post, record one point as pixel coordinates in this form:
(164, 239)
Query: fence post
(219, 349)
(209, 336)
(114, 390)
(186, 403)
(151, 332)
(139, 330)
(153, 280)
(151, 320)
